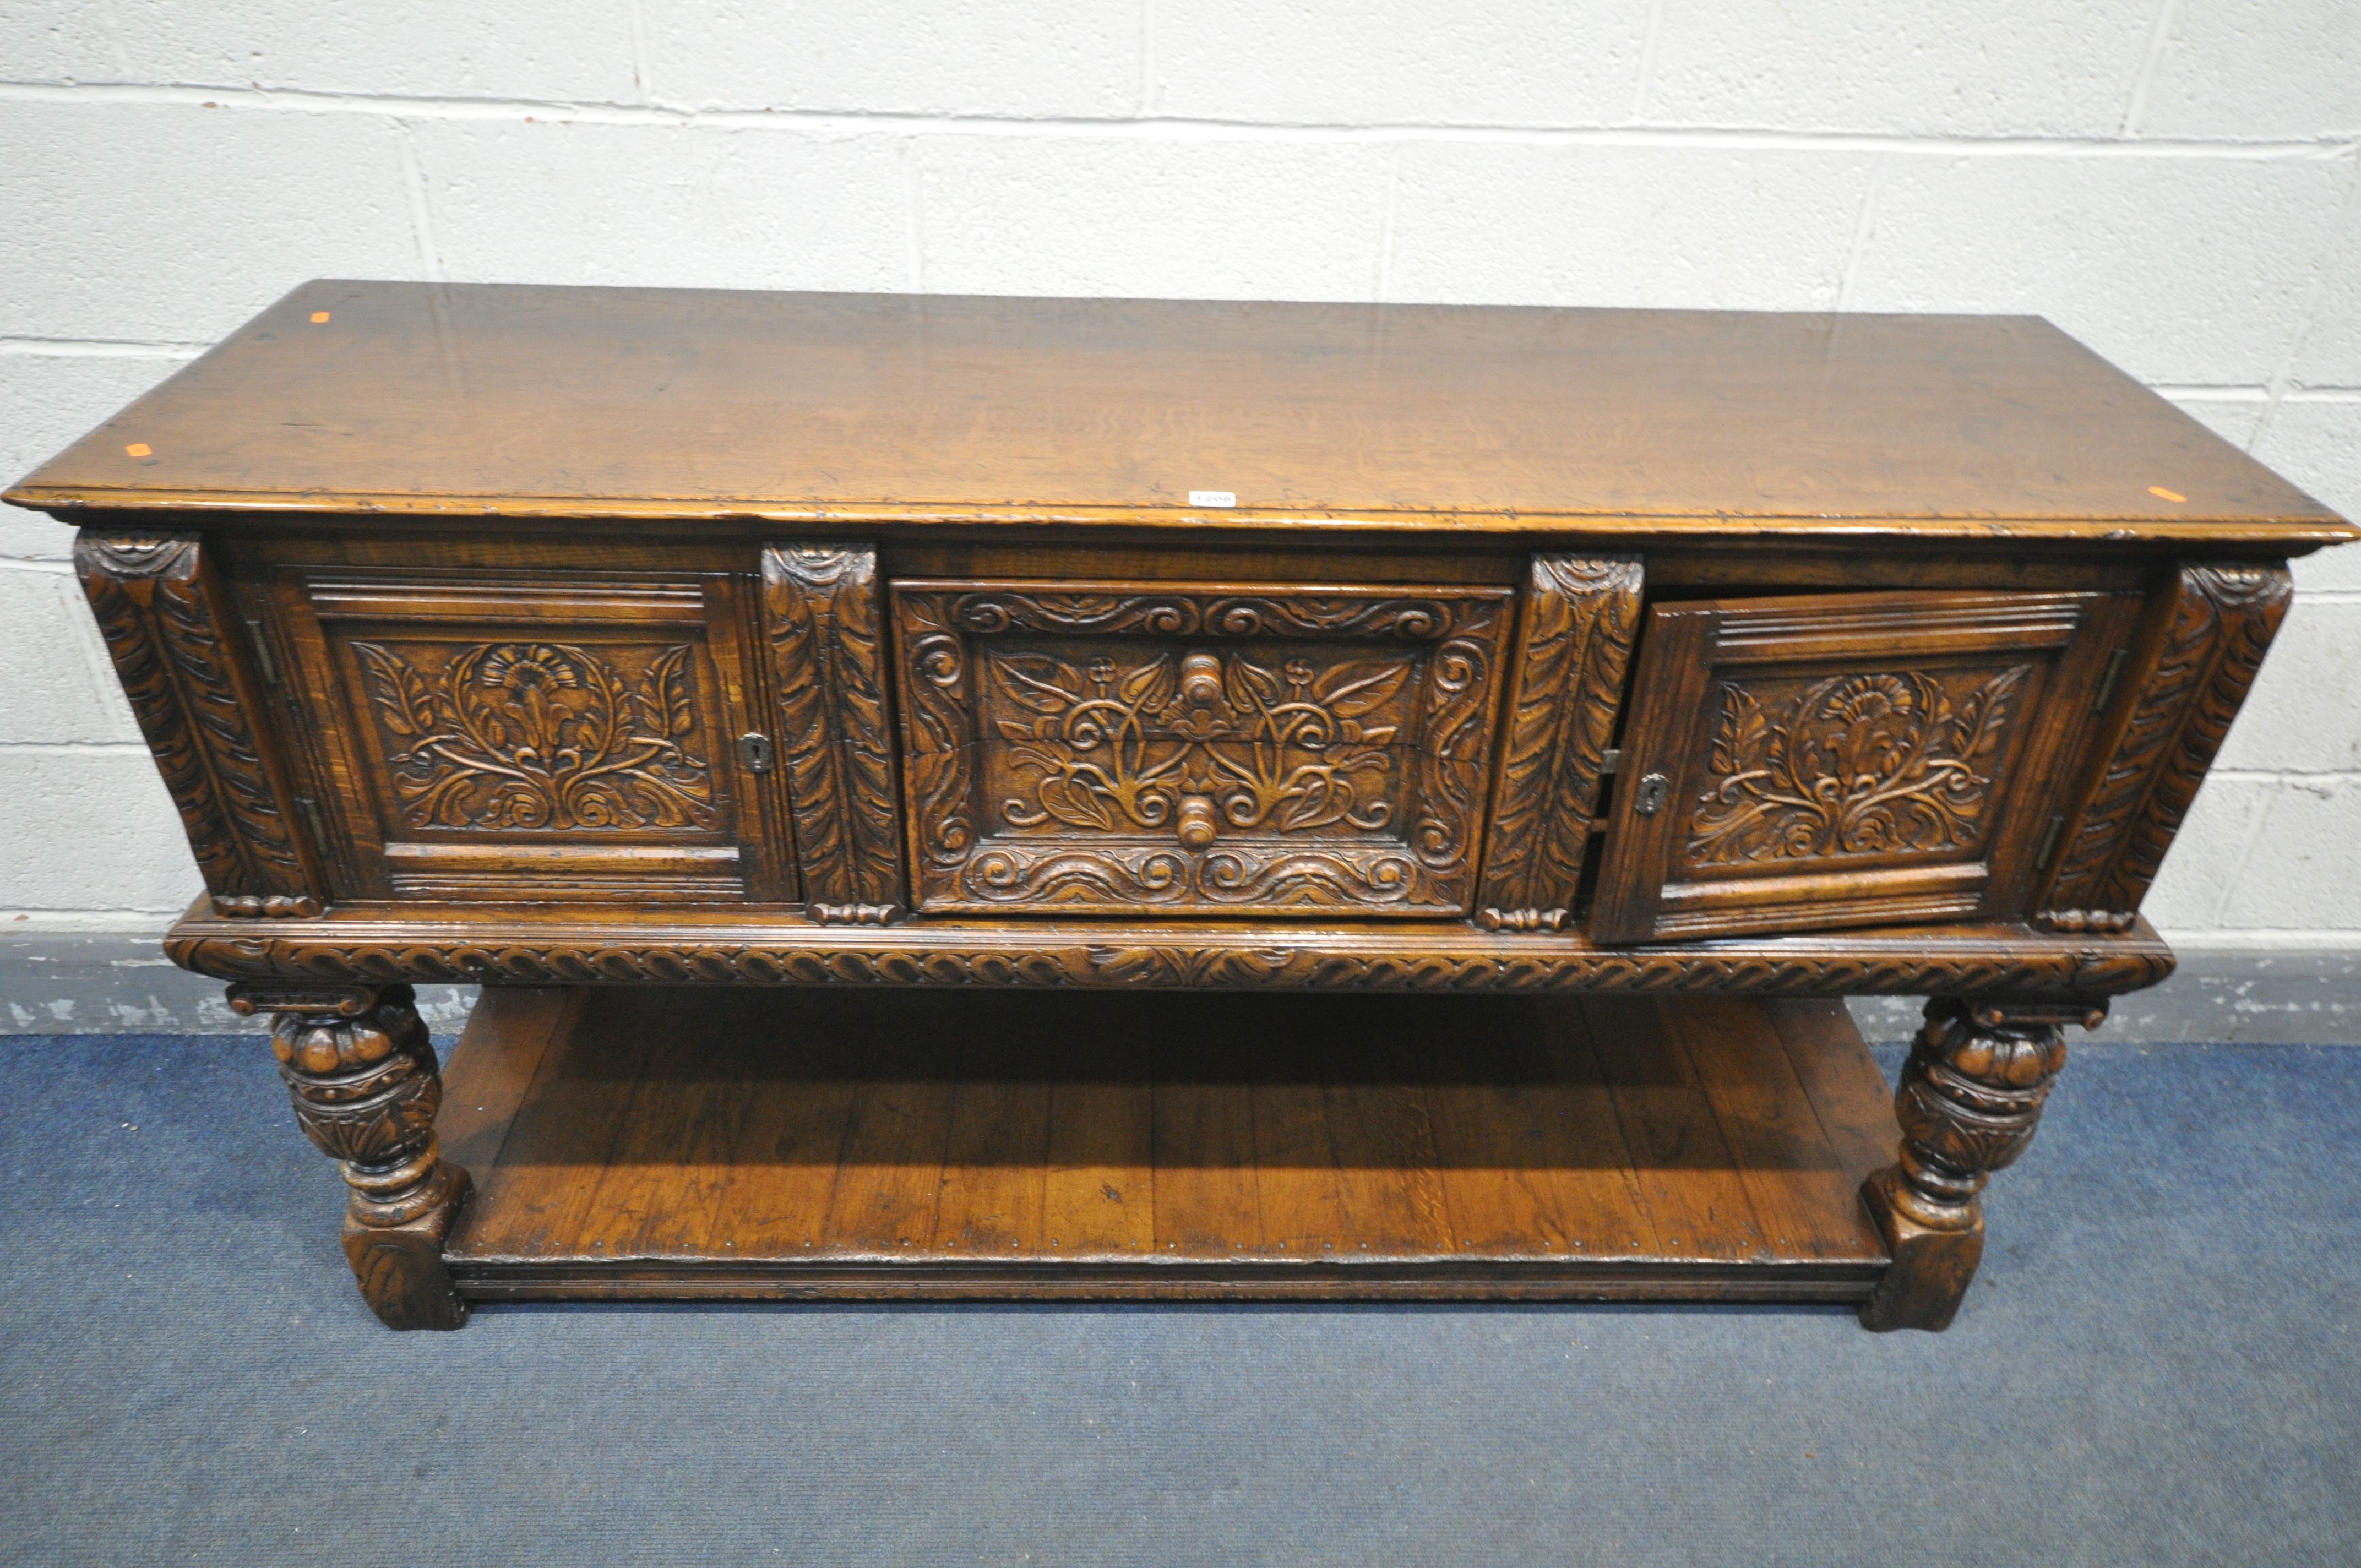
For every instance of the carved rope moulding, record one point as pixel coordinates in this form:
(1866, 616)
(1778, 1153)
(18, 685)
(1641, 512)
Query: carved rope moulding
(2080, 973)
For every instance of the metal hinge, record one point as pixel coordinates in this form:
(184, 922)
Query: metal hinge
(755, 748)
(2048, 843)
(2107, 681)
(1609, 759)
(262, 653)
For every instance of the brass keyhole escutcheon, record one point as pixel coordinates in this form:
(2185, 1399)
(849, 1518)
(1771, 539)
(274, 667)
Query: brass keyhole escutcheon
(1197, 824)
(1650, 797)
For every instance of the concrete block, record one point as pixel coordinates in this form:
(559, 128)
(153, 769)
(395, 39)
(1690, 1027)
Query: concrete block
(98, 832)
(579, 52)
(2234, 419)
(56, 40)
(1999, 68)
(2182, 269)
(48, 400)
(1204, 219)
(2253, 68)
(2207, 856)
(1017, 58)
(2318, 446)
(62, 690)
(1498, 223)
(2304, 872)
(167, 223)
(664, 205)
(2330, 355)
(2304, 712)
(1521, 62)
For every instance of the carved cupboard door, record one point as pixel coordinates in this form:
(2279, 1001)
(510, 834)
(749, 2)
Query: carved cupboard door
(564, 740)
(1850, 759)
(1122, 749)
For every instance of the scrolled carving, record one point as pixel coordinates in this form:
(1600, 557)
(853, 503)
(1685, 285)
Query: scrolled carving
(1868, 763)
(2224, 618)
(1581, 619)
(518, 736)
(824, 619)
(361, 1073)
(155, 610)
(1196, 749)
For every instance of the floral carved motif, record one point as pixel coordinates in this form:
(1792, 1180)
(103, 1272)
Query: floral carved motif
(1197, 750)
(541, 736)
(1124, 742)
(1858, 764)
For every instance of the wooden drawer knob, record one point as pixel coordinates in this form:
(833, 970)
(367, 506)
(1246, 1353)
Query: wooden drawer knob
(1197, 827)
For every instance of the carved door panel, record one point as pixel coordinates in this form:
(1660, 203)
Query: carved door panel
(566, 739)
(1850, 759)
(1122, 748)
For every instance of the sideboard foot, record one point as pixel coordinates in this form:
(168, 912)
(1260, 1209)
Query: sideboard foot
(361, 1073)
(1969, 1103)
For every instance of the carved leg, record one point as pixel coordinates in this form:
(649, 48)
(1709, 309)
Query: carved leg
(1969, 1099)
(362, 1074)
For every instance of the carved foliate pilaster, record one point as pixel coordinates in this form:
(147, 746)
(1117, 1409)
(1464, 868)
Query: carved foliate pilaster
(1580, 617)
(361, 1073)
(1969, 1103)
(824, 620)
(2224, 618)
(163, 623)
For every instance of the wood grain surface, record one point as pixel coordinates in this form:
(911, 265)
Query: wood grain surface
(817, 1142)
(410, 398)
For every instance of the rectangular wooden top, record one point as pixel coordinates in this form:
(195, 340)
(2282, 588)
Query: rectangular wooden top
(442, 399)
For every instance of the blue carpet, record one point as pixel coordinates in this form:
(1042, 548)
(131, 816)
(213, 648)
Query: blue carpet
(2158, 1366)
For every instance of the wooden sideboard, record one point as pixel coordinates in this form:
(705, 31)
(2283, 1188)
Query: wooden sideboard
(995, 798)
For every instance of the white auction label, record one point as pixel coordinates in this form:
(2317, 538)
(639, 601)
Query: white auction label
(1213, 497)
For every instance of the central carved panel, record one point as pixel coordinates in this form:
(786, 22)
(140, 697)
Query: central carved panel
(541, 737)
(1206, 751)
(1854, 766)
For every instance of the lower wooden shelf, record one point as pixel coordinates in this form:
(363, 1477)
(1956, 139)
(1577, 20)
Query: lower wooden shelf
(725, 1143)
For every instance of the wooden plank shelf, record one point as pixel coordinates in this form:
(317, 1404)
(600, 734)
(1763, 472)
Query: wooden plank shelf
(814, 1144)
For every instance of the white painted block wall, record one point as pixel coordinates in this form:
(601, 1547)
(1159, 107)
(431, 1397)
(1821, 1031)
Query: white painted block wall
(2176, 182)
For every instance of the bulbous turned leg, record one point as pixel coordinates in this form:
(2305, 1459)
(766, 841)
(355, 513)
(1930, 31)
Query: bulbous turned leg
(361, 1073)
(1969, 1102)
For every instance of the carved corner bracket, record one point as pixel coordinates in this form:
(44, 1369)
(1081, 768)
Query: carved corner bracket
(824, 619)
(1579, 620)
(163, 618)
(2223, 619)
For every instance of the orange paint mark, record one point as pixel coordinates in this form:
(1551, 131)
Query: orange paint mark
(2168, 494)
(319, 316)
(139, 449)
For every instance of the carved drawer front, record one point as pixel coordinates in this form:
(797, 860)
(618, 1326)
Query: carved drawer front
(575, 740)
(1110, 747)
(1850, 759)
